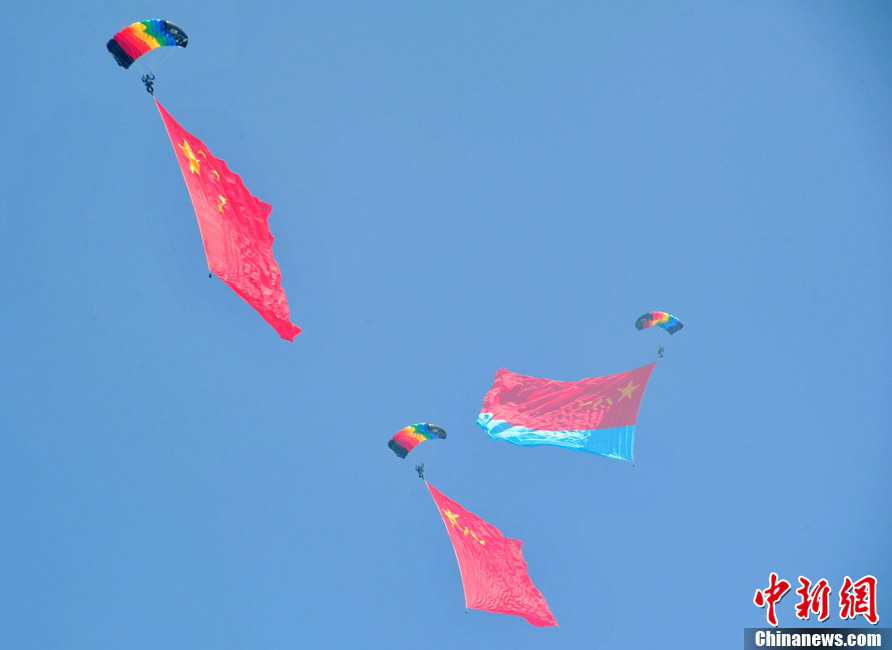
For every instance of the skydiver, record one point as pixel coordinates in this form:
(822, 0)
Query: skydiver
(148, 79)
(660, 351)
(420, 469)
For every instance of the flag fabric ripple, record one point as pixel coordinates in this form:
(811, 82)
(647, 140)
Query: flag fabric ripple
(493, 571)
(596, 415)
(234, 228)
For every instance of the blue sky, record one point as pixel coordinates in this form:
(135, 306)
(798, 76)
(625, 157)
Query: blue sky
(455, 189)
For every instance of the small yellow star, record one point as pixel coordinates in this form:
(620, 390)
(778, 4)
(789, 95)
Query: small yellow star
(452, 517)
(221, 202)
(215, 173)
(194, 167)
(627, 391)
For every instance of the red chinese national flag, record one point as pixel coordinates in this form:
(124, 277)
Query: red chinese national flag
(234, 228)
(550, 405)
(493, 571)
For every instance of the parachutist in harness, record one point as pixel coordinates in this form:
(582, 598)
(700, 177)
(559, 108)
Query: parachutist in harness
(148, 80)
(660, 351)
(420, 469)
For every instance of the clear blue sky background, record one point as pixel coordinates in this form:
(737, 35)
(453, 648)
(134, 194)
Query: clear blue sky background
(456, 189)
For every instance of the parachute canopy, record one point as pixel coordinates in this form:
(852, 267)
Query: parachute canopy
(132, 42)
(406, 439)
(667, 321)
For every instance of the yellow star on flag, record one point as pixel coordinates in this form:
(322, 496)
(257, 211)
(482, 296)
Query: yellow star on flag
(627, 391)
(452, 517)
(221, 202)
(194, 166)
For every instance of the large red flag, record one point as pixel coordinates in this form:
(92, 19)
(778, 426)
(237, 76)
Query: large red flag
(234, 228)
(493, 571)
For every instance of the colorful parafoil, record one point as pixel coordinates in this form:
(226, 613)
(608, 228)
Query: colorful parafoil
(667, 321)
(406, 439)
(132, 42)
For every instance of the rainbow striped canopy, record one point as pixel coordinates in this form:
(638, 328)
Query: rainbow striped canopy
(406, 439)
(667, 321)
(132, 42)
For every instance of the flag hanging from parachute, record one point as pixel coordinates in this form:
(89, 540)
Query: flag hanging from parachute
(596, 415)
(234, 228)
(493, 572)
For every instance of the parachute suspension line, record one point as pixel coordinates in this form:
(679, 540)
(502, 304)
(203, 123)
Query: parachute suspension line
(161, 55)
(152, 60)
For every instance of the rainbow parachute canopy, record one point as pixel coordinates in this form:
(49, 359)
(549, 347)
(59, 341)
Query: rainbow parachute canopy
(406, 439)
(132, 42)
(667, 321)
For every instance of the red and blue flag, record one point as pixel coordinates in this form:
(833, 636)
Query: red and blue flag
(596, 415)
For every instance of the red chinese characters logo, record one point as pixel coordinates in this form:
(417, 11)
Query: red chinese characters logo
(771, 596)
(859, 598)
(855, 598)
(817, 600)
